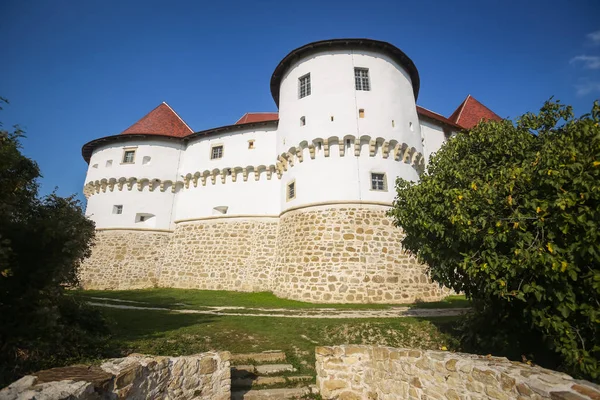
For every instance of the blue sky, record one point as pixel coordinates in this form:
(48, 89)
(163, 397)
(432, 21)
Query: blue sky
(74, 71)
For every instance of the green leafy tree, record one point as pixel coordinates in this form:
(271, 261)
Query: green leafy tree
(42, 242)
(509, 214)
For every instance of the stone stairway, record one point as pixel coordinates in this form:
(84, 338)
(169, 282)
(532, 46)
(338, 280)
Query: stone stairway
(266, 375)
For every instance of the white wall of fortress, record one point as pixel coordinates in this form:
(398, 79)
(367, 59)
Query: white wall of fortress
(331, 243)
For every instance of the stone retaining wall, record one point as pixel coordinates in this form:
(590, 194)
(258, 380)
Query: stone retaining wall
(370, 372)
(124, 259)
(221, 254)
(203, 376)
(348, 254)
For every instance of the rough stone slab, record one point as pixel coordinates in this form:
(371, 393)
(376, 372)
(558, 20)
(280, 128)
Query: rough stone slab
(273, 394)
(258, 381)
(299, 378)
(265, 356)
(269, 369)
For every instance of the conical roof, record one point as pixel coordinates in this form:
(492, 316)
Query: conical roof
(160, 121)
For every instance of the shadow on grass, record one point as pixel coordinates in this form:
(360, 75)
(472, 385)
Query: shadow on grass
(456, 301)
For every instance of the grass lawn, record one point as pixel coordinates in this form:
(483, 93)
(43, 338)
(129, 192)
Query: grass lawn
(166, 333)
(169, 333)
(210, 298)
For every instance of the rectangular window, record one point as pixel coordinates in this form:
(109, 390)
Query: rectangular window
(304, 86)
(291, 190)
(118, 209)
(216, 152)
(128, 156)
(378, 182)
(250, 144)
(361, 79)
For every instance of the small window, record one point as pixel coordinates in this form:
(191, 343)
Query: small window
(304, 86)
(410, 126)
(361, 113)
(319, 145)
(220, 210)
(393, 124)
(348, 143)
(118, 209)
(291, 191)
(142, 218)
(332, 118)
(250, 144)
(378, 182)
(361, 79)
(302, 121)
(108, 163)
(95, 166)
(146, 160)
(216, 152)
(128, 156)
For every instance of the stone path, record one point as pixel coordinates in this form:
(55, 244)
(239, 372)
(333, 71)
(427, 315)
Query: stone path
(333, 313)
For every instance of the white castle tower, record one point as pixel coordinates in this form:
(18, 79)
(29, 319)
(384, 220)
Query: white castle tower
(293, 203)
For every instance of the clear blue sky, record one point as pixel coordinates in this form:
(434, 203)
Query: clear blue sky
(79, 70)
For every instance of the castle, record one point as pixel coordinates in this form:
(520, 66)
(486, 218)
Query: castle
(292, 202)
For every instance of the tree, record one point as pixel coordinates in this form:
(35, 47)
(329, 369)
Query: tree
(509, 214)
(42, 242)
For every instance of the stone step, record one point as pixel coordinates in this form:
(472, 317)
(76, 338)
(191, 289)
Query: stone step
(258, 358)
(250, 381)
(272, 394)
(242, 371)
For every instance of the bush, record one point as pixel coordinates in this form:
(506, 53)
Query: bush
(42, 243)
(509, 214)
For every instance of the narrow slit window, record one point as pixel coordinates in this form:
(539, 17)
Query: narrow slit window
(361, 79)
(378, 181)
(128, 156)
(216, 152)
(332, 118)
(319, 145)
(348, 143)
(304, 86)
(250, 144)
(291, 190)
(393, 124)
(95, 166)
(361, 113)
(302, 121)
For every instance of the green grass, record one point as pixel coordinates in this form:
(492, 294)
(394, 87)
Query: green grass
(167, 333)
(209, 298)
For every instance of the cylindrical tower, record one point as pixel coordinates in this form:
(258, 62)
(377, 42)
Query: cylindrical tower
(348, 127)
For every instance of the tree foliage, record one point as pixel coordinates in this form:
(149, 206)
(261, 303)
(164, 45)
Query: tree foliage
(42, 242)
(509, 214)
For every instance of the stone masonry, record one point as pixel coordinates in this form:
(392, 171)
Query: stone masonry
(348, 254)
(205, 376)
(328, 254)
(385, 373)
(221, 254)
(124, 259)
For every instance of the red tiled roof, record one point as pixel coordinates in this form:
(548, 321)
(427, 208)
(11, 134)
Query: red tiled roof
(430, 114)
(471, 112)
(160, 121)
(257, 117)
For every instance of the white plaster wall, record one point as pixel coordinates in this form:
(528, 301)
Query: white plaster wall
(433, 138)
(164, 158)
(333, 93)
(100, 208)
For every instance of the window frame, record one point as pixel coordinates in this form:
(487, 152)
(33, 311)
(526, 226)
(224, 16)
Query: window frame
(360, 79)
(383, 181)
(127, 150)
(212, 149)
(292, 184)
(304, 84)
(118, 209)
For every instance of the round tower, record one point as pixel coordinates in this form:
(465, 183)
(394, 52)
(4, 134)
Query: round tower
(348, 127)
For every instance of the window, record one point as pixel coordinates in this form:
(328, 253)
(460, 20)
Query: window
(348, 143)
(410, 126)
(146, 160)
(216, 152)
(118, 209)
(95, 166)
(302, 121)
(378, 181)
(361, 79)
(128, 156)
(108, 163)
(304, 86)
(393, 124)
(291, 191)
(332, 118)
(250, 144)
(361, 113)
(142, 218)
